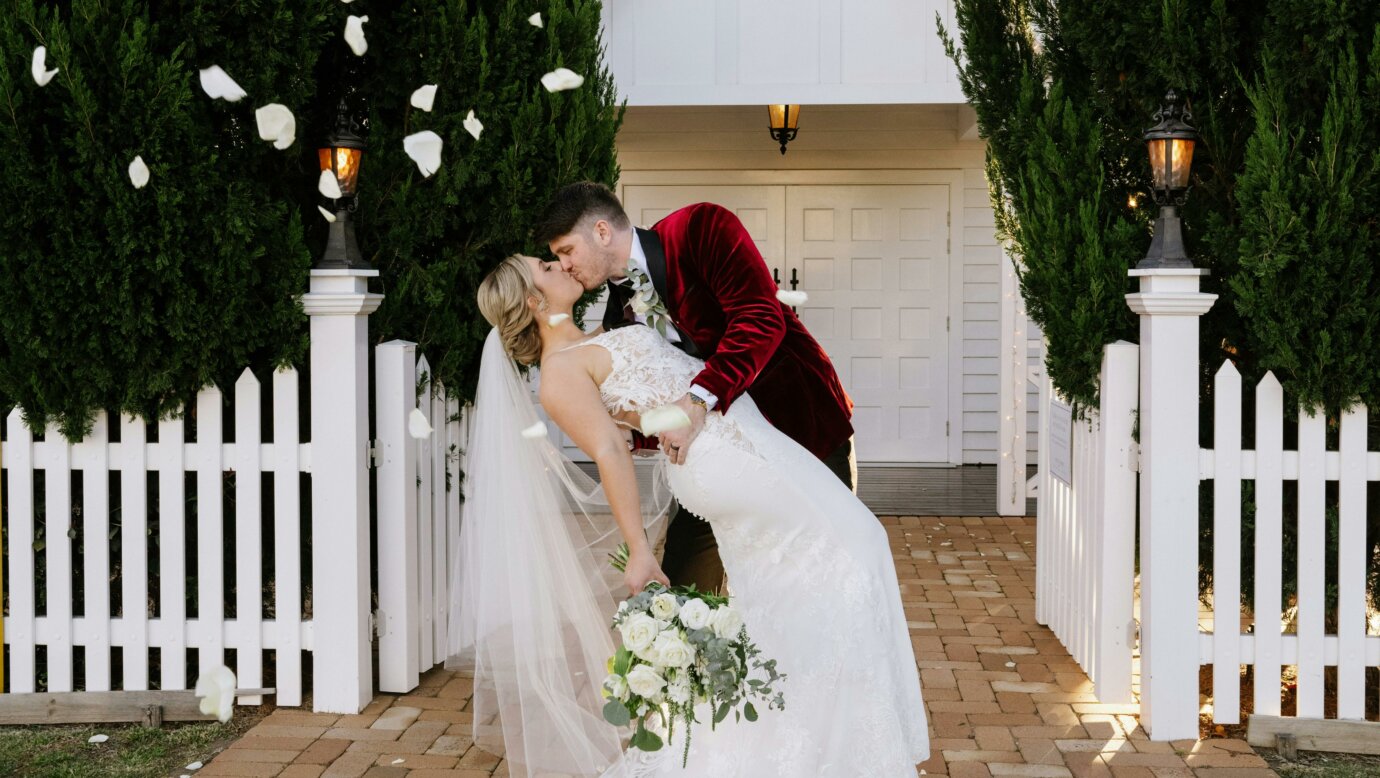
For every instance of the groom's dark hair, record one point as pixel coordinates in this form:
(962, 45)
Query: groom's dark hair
(574, 203)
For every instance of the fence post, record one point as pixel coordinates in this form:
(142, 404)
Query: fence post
(1011, 394)
(339, 305)
(1169, 304)
(395, 389)
(1116, 528)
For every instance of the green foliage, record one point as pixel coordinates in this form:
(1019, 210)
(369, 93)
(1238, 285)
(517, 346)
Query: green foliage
(433, 239)
(1310, 223)
(1283, 211)
(132, 299)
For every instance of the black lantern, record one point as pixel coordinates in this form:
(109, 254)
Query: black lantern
(784, 123)
(341, 155)
(1170, 143)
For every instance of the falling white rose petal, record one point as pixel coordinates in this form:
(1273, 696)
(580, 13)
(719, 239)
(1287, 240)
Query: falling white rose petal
(425, 149)
(792, 298)
(98, 738)
(555, 319)
(399, 761)
(138, 173)
(472, 125)
(329, 186)
(277, 124)
(218, 85)
(42, 75)
(216, 690)
(194, 766)
(354, 34)
(536, 431)
(664, 419)
(1010, 664)
(424, 97)
(535, 20)
(417, 424)
(562, 79)
(327, 215)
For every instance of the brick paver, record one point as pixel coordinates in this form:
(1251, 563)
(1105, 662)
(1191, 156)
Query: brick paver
(1004, 697)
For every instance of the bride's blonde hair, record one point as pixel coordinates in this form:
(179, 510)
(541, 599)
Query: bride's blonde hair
(503, 296)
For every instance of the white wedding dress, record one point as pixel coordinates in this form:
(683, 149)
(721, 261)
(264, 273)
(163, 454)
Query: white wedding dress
(811, 571)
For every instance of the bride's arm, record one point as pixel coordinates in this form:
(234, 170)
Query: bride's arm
(570, 396)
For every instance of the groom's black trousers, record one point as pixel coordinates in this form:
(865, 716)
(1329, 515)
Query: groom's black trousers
(692, 553)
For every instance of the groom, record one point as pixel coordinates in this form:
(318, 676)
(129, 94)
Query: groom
(711, 295)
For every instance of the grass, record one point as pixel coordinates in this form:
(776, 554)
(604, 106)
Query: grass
(1318, 764)
(132, 751)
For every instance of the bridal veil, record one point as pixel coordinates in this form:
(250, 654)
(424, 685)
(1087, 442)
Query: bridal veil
(532, 592)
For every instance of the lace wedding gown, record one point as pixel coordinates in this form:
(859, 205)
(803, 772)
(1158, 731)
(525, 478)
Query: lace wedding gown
(810, 569)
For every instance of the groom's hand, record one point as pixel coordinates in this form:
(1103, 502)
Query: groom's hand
(676, 443)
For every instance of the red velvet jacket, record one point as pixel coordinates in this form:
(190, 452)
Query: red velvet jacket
(720, 294)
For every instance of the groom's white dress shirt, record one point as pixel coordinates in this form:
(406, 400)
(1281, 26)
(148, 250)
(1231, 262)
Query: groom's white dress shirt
(638, 259)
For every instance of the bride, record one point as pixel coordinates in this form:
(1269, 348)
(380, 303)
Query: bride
(809, 567)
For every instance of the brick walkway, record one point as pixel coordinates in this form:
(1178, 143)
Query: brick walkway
(1004, 697)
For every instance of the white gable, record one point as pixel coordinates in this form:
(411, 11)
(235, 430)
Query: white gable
(744, 52)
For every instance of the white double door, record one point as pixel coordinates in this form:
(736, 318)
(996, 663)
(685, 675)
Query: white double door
(874, 261)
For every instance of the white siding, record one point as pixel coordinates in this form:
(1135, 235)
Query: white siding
(751, 52)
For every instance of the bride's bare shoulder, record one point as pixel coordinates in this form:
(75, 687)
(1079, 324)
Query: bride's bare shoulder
(575, 365)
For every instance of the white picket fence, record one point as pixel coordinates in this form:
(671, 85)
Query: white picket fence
(418, 502)
(141, 626)
(1263, 643)
(1086, 524)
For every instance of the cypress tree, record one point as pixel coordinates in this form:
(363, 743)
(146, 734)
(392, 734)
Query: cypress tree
(1310, 224)
(433, 238)
(1283, 212)
(132, 299)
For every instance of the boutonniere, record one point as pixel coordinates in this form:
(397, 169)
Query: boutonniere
(646, 302)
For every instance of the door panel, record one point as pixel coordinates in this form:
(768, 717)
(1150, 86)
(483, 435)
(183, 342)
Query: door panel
(874, 262)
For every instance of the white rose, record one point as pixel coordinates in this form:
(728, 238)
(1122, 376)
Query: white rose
(640, 305)
(639, 630)
(726, 621)
(694, 614)
(645, 682)
(672, 650)
(679, 691)
(665, 606)
(651, 657)
(617, 687)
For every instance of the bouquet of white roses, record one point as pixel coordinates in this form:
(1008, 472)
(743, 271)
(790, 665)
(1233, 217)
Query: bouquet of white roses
(681, 648)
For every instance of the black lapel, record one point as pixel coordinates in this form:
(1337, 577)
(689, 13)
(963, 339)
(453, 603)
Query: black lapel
(656, 267)
(613, 311)
(656, 261)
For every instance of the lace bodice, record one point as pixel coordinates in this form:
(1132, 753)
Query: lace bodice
(648, 372)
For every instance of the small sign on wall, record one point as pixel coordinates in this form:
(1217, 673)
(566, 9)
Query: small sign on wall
(1061, 441)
